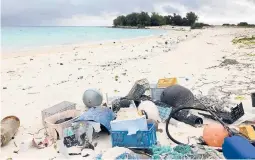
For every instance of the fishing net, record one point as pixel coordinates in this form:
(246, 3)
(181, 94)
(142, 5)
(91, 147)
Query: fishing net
(184, 152)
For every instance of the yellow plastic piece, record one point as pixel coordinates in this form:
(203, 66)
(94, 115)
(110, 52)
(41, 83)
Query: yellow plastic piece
(240, 98)
(140, 113)
(166, 82)
(247, 131)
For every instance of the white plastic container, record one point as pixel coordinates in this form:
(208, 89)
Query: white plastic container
(58, 108)
(56, 130)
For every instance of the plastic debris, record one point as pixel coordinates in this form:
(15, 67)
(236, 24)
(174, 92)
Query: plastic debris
(130, 125)
(253, 99)
(25, 145)
(58, 108)
(116, 153)
(139, 88)
(102, 115)
(92, 98)
(140, 139)
(56, 130)
(228, 117)
(121, 103)
(248, 131)
(151, 110)
(40, 144)
(9, 127)
(214, 134)
(185, 152)
(240, 98)
(190, 119)
(164, 113)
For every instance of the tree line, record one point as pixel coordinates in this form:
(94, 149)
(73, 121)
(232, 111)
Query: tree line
(143, 19)
(241, 24)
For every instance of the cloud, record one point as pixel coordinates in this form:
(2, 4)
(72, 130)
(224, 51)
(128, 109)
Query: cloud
(102, 12)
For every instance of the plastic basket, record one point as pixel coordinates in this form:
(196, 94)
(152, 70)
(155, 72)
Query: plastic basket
(58, 108)
(138, 89)
(228, 117)
(156, 92)
(142, 139)
(56, 130)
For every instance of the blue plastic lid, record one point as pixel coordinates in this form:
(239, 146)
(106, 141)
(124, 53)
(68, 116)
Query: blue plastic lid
(102, 115)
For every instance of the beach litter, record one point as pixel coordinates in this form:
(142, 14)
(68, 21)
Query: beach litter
(40, 144)
(229, 62)
(139, 88)
(150, 109)
(92, 98)
(57, 123)
(102, 115)
(228, 117)
(9, 127)
(132, 122)
(118, 153)
(58, 108)
(214, 135)
(253, 99)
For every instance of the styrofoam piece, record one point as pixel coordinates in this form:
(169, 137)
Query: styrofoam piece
(60, 107)
(56, 130)
(25, 145)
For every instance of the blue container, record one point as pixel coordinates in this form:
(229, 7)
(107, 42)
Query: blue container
(142, 139)
(237, 147)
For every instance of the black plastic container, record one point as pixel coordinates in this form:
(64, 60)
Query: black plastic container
(253, 99)
(228, 117)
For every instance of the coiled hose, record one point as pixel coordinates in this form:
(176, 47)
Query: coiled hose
(200, 109)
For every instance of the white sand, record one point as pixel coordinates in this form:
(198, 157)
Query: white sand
(37, 81)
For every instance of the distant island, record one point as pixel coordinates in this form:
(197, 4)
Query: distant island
(141, 20)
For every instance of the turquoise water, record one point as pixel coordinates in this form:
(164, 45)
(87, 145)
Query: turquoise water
(25, 37)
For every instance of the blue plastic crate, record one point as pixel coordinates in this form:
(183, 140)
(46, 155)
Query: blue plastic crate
(142, 139)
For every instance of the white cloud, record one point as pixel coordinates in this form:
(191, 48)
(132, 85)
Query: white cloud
(83, 20)
(102, 12)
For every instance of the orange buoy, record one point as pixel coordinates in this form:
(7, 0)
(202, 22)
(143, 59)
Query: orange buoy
(214, 135)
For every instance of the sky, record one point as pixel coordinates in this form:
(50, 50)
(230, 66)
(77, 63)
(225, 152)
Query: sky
(102, 12)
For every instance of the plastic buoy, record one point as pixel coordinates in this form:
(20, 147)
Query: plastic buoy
(92, 98)
(214, 135)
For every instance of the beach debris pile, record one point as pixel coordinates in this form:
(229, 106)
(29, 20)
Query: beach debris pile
(132, 122)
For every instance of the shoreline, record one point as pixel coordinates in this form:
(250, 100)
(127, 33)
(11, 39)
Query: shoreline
(68, 47)
(20, 52)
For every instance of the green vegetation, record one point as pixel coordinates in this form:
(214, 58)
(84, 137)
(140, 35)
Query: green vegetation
(245, 24)
(140, 20)
(198, 25)
(244, 40)
(241, 24)
(227, 24)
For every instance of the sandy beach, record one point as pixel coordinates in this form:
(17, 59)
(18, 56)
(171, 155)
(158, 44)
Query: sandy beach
(36, 79)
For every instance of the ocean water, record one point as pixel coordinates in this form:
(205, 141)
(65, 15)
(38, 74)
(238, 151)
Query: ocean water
(27, 37)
